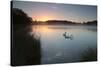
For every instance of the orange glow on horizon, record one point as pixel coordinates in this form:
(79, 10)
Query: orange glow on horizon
(42, 18)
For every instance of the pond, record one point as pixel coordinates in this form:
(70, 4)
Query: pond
(63, 43)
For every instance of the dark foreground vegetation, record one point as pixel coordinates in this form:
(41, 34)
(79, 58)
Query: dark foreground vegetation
(25, 49)
(89, 55)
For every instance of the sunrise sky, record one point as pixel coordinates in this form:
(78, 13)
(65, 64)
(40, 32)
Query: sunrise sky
(51, 11)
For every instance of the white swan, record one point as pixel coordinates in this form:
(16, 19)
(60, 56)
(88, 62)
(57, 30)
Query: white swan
(68, 36)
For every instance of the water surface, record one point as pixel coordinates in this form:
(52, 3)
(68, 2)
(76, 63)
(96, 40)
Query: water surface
(56, 48)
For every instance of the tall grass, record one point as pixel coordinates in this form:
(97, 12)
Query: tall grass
(25, 49)
(89, 55)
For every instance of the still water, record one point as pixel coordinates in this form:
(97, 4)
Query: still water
(57, 48)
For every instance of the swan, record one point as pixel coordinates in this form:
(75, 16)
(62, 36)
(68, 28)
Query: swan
(68, 36)
(64, 34)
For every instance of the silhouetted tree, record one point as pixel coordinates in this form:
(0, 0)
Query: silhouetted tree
(94, 22)
(19, 17)
(25, 48)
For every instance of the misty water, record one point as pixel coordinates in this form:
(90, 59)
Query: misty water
(56, 48)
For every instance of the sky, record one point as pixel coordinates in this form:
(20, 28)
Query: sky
(52, 11)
